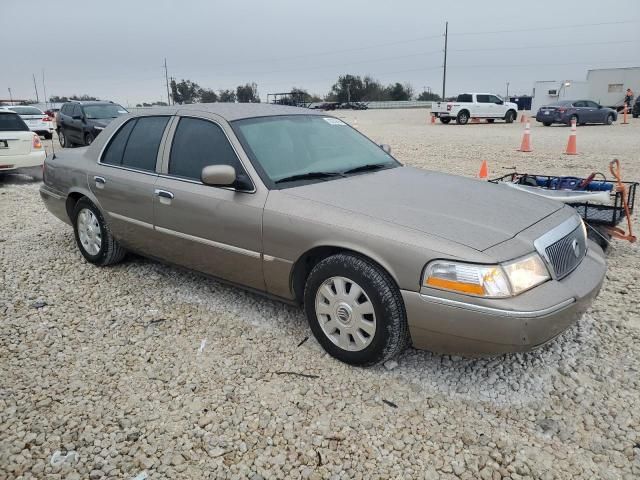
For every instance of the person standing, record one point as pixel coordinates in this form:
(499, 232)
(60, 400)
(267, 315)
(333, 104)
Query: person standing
(628, 99)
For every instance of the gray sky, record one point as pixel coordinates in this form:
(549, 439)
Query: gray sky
(114, 49)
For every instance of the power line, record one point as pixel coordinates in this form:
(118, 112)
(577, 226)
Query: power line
(559, 27)
(557, 45)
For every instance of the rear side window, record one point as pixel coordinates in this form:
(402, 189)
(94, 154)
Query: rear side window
(11, 122)
(464, 97)
(484, 98)
(136, 144)
(198, 143)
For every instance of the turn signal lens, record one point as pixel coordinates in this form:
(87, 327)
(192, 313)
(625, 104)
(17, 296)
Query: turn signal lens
(479, 280)
(36, 141)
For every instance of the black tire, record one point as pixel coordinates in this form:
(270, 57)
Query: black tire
(546, 124)
(635, 115)
(48, 136)
(462, 118)
(62, 138)
(445, 120)
(510, 116)
(609, 119)
(391, 334)
(491, 120)
(88, 139)
(110, 251)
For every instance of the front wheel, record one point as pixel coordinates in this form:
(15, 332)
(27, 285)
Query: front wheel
(462, 118)
(510, 116)
(445, 120)
(355, 310)
(93, 237)
(62, 138)
(609, 120)
(88, 139)
(490, 120)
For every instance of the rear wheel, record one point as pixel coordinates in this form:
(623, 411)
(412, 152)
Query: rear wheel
(355, 310)
(93, 237)
(546, 124)
(445, 120)
(462, 118)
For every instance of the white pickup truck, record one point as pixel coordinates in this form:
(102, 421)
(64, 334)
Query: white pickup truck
(475, 105)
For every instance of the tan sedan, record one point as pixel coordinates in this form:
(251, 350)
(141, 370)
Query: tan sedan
(300, 206)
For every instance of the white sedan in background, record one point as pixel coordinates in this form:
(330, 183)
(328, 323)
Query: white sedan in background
(20, 148)
(37, 121)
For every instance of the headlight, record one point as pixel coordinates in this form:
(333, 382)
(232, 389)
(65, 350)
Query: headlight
(479, 280)
(493, 281)
(526, 273)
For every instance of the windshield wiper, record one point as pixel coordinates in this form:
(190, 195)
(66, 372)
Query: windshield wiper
(309, 176)
(366, 168)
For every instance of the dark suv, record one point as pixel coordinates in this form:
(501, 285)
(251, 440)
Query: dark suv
(635, 111)
(78, 123)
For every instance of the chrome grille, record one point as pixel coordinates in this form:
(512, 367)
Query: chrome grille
(567, 253)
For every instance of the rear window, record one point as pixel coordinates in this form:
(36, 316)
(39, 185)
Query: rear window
(465, 97)
(136, 144)
(27, 111)
(11, 122)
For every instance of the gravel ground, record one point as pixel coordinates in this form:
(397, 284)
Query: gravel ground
(144, 369)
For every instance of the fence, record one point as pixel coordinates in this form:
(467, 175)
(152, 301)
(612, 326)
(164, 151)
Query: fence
(400, 104)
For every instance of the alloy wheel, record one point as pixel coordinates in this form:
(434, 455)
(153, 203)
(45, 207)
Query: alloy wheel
(89, 231)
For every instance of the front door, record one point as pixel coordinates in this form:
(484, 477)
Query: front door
(483, 108)
(123, 181)
(216, 230)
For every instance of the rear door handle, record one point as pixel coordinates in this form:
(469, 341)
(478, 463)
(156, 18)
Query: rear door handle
(100, 181)
(164, 196)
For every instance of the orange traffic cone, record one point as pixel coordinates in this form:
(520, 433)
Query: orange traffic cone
(523, 117)
(624, 115)
(571, 144)
(484, 171)
(433, 119)
(526, 139)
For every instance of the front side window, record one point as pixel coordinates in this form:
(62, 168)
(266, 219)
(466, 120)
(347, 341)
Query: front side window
(494, 99)
(198, 143)
(136, 144)
(293, 148)
(484, 98)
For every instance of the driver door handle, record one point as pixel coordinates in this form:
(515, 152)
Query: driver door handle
(164, 195)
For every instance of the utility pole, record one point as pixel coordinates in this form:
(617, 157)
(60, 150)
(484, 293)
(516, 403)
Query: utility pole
(507, 99)
(166, 79)
(44, 90)
(35, 87)
(444, 71)
(10, 96)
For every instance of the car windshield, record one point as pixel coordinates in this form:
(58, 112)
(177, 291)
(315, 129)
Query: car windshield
(310, 146)
(104, 111)
(27, 111)
(11, 122)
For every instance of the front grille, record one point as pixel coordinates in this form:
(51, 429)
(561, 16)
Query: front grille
(567, 253)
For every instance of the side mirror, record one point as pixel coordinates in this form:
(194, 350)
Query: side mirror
(386, 148)
(218, 175)
(599, 107)
(499, 102)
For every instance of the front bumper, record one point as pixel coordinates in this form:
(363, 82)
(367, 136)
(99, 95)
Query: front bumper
(13, 162)
(455, 324)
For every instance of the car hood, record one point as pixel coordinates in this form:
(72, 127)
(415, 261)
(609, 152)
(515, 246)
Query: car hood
(469, 212)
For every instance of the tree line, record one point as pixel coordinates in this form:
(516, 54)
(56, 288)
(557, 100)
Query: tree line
(348, 88)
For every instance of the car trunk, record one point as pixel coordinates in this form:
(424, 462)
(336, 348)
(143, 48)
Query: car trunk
(15, 143)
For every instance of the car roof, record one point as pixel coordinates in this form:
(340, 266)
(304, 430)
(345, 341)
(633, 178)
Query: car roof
(233, 111)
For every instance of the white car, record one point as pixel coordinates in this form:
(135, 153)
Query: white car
(475, 105)
(37, 121)
(20, 148)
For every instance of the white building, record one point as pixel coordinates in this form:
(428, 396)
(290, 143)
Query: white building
(607, 86)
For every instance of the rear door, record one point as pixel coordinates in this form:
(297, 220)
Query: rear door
(74, 129)
(123, 180)
(216, 230)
